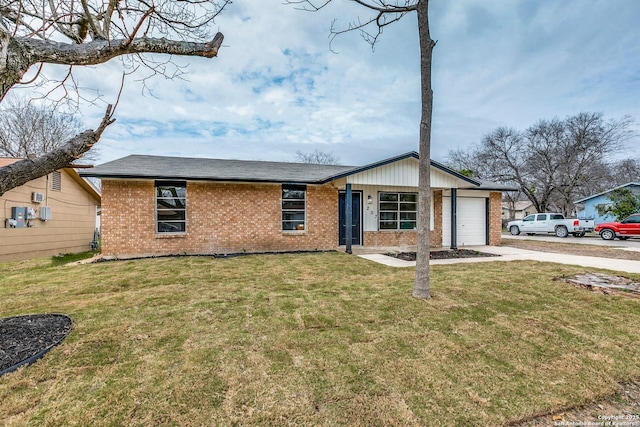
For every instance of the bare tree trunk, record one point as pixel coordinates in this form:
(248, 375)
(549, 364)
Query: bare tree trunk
(421, 287)
(19, 173)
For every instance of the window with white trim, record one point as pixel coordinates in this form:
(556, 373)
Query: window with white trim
(397, 211)
(294, 215)
(171, 206)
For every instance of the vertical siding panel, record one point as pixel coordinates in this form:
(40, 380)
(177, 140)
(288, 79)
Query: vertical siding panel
(404, 174)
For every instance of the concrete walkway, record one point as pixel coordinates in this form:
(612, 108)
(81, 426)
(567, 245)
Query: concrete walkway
(514, 254)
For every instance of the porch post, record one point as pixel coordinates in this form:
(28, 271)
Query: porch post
(348, 218)
(454, 218)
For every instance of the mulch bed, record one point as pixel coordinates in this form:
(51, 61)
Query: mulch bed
(450, 254)
(24, 339)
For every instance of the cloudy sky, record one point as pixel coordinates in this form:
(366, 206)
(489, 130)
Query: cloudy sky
(276, 88)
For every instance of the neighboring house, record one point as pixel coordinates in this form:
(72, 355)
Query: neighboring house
(47, 216)
(520, 209)
(167, 205)
(591, 203)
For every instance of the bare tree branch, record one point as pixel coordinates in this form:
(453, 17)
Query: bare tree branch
(23, 171)
(98, 30)
(29, 128)
(385, 14)
(24, 52)
(317, 157)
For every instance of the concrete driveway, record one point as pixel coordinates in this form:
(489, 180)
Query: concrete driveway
(589, 239)
(515, 254)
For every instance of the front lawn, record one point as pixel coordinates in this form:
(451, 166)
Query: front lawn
(313, 339)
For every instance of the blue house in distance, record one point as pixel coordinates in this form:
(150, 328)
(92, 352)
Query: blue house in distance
(591, 203)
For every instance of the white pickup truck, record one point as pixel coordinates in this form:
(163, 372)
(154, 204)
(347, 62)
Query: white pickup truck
(550, 223)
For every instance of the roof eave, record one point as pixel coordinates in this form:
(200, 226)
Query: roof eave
(86, 186)
(197, 178)
(608, 191)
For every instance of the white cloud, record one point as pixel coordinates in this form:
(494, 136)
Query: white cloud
(276, 88)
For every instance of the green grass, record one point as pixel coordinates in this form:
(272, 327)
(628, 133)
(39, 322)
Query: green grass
(313, 339)
(63, 259)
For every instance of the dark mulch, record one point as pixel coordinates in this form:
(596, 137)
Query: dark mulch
(25, 338)
(449, 254)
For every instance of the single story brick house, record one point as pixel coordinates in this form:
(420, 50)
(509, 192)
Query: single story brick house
(155, 205)
(51, 215)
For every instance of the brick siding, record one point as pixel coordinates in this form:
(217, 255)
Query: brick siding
(221, 218)
(495, 219)
(390, 238)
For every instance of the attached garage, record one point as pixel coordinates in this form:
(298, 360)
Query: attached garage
(472, 216)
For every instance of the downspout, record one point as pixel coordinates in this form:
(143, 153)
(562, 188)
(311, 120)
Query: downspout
(454, 218)
(348, 217)
(487, 220)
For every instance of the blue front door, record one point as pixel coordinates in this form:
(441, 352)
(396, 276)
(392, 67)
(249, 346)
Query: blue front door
(356, 231)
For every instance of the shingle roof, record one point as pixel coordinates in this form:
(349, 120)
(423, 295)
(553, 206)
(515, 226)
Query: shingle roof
(490, 185)
(198, 169)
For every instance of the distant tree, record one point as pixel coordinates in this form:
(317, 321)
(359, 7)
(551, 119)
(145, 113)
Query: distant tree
(317, 157)
(552, 162)
(511, 198)
(587, 140)
(36, 33)
(624, 202)
(624, 171)
(29, 129)
(607, 175)
(466, 172)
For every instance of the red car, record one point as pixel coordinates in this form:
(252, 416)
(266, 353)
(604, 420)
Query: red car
(628, 227)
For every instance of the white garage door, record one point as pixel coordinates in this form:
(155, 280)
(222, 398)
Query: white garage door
(472, 221)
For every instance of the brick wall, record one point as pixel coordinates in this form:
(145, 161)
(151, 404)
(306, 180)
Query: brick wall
(495, 218)
(390, 238)
(221, 218)
(127, 217)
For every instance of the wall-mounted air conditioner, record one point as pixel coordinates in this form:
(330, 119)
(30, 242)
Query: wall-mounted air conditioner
(37, 197)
